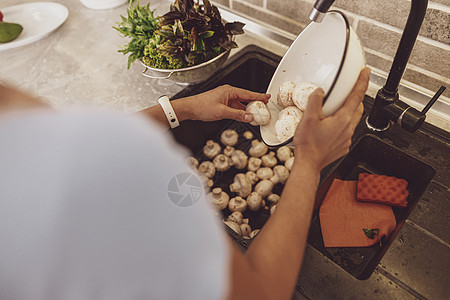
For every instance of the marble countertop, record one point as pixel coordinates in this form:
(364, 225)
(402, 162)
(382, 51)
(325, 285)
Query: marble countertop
(78, 66)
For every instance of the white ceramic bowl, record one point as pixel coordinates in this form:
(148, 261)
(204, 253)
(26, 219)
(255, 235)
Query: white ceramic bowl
(328, 54)
(103, 4)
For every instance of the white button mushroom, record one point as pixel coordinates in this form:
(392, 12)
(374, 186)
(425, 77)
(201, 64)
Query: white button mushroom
(211, 149)
(207, 168)
(251, 176)
(254, 233)
(229, 137)
(218, 198)
(192, 162)
(222, 162)
(285, 127)
(301, 94)
(248, 135)
(261, 115)
(228, 151)
(257, 149)
(284, 153)
(284, 95)
(245, 229)
(288, 164)
(254, 201)
(273, 198)
(235, 227)
(241, 185)
(236, 217)
(291, 111)
(254, 163)
(272, 209)
(264, 187)
(280, 174)
(239, 159)
(237, 204)
(269, 160)
(264, 173)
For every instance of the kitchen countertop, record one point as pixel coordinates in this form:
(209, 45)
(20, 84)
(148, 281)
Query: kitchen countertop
(78, 67)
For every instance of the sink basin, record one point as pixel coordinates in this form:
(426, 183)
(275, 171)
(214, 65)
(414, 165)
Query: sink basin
(252, 68)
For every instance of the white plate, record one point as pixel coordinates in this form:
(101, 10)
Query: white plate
(38, 20)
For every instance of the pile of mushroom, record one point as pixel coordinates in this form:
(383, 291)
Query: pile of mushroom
(258, 172)
(292, 98)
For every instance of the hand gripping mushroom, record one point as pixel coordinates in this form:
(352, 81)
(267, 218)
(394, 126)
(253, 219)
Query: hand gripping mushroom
(192, 162)
(254, 201)
(239, 159)
(234, 226)
(264, 187)
(284, 95)
(211, 149)
(207, 168)
(269, 160)
(284, 153)
(264, 173)
(218, 198)
(280, 174)
(222, 162)
(229, 137)
(251, 176)
(237, 204)
(236, 217)
(288, 164)
(257, 149)
(254, 163)
(241, 185)
(261, 115)
(228, 151)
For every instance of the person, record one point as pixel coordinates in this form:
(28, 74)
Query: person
(85, 214)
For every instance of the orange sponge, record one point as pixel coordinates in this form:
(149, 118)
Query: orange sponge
(382, 189)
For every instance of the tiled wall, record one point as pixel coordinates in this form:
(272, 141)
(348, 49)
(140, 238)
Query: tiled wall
(379, 24)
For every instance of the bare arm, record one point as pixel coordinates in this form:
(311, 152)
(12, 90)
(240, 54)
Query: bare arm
(270, 267)
(14, 100)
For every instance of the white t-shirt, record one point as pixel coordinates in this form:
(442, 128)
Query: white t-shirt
(94, 206)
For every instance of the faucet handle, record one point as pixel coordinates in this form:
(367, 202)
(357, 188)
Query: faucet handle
(411, 119)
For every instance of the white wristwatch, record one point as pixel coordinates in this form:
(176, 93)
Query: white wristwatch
(168, 110)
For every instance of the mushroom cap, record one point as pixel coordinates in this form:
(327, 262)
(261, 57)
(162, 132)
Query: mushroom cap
(284, 95)
(248, 135)
(228, 151)
(251, 176)
(291, 111)
(264, 173)
(254, 201)
(254, 163)
(258, 149)
(241, 185)
(301, 93)
(269, 160)
(207, 168)
(288, 164)
(236, 217)
(229, 137)
(218, 198)
(284, 153)
(273, 198)
(281, 173)
(237, 204)
(245, 229)
(222, 162)
(254, 233)
(285, 128)
(264, 187)
(211, 149)
(261, 115)
(239, 159)
(192, 162)
(272, 209)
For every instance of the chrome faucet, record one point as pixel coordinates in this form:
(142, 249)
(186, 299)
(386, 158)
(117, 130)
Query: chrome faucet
(387, 107)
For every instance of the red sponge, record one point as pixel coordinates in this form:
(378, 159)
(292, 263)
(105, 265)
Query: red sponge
(382, 189)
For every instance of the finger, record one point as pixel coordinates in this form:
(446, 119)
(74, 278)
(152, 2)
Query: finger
(356, 96)
(236, 104)
(246, 95)
(314, 106)
(236, 114)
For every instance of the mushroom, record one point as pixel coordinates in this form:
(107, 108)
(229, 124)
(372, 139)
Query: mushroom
(236, 217)
(237, 204)
(264, 187)
(218, 198)
(239, 159)
(245, 221)
(234, 226)
(245, 229)
(245, 237)
(228, 151)
(269, 160)
(284, 95)
(273, 198)
(288, 164)
(284, 153)
(272, 209)
(285, 127)
(252, 178)
(264, 173)
(301, 92)
(248, 135)
(211, 149)
(207, 182)
(280, 174)
(254, 201)
(257, 149)
(254, 163)
(254, 233)
(229, 137)
(291, 111)
(222, 162)
(261, 115)
(241, 185)
(207, 168)
(192, 162)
